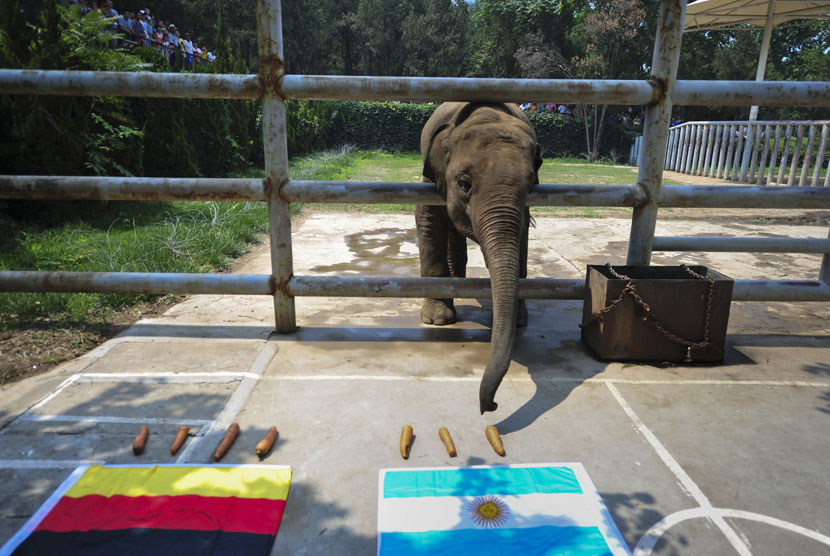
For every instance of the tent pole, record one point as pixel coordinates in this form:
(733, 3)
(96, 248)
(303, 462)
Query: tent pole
(759, 76)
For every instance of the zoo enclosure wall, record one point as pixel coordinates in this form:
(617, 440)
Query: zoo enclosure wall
(273, 87)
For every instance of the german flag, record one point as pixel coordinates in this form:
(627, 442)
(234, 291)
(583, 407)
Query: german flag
(178, 510)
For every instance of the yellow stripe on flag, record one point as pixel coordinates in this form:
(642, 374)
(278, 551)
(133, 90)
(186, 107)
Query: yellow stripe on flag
(241, 482)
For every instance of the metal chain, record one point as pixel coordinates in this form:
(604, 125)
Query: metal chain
(631, 289)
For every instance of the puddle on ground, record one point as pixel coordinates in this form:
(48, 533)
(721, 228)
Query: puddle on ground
(386, 251)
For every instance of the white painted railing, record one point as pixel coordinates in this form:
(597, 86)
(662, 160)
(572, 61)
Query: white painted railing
(759, 152)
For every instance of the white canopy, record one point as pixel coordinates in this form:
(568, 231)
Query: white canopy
(723, 14)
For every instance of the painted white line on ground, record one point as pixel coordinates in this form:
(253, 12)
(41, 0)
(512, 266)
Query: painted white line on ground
(237, 400)
(684, 480)
(46, 463)
(107, 419)
(592, 380)
(649, 540)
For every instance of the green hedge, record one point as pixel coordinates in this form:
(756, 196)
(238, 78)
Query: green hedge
(395, 127)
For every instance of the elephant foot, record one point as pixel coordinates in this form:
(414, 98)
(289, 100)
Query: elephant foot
(438, 312)
(521, 315)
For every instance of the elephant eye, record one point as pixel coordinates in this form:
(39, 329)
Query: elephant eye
(464, 183)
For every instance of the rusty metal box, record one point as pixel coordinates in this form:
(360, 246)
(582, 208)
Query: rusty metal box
(656, 313)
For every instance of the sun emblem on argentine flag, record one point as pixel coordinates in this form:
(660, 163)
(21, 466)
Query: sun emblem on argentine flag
(488, 511)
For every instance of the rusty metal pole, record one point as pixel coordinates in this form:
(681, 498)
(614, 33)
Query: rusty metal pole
(655, 132)
(271, 71)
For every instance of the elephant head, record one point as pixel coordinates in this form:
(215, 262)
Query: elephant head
(487, 165)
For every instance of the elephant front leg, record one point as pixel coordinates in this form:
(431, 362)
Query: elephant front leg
(433, 236)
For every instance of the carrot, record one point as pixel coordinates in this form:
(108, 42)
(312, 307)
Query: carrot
(141, 440)
(227, 441)
(264, 445)
(181, 436)
(495, 440)
(406, 441)
(444, 434)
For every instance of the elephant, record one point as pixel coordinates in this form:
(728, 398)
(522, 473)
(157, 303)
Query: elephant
(484, 159)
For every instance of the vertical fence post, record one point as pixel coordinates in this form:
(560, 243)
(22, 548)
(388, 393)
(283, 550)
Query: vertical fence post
(690, 149)
(762, 165)
(712, 167)
(808, 157)
(655, 132)
(678, 143)
(269, 35)
(825, 131)
(736, 170)
(710, 147)
(776, 144)
(824, 272)
(698, 145)
(796, 153)
(756, 146)
(730, 154)
(668, 149)
(827, 175)
(681, 152)
(724, 138)
(788, 137)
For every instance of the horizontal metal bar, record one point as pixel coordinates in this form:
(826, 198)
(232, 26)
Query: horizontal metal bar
(748, 93)
(437, 89)
(194, 189)
(737, 196)
(129, 84)
(136, 282)
(742, 244)
(780, 290)
(131, 189)
(356, 286)
(396, 286)
(338, 87)
(306, 191)
(426, 193)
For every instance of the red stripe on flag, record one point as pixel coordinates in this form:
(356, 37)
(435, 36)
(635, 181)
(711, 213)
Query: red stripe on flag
(201, 513)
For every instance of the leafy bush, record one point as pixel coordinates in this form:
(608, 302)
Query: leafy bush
(396, 127)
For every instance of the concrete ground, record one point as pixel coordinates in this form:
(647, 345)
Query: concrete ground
(715, 459)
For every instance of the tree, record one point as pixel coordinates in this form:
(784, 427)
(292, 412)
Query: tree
(436, 37)
(607, 32)
(501, 28)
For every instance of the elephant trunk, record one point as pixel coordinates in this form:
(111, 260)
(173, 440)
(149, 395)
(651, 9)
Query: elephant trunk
(499, 230)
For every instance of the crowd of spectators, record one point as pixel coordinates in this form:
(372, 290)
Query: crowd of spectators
(550, 108)
(143, 29)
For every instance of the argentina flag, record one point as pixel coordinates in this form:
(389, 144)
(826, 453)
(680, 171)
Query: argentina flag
(537, 509)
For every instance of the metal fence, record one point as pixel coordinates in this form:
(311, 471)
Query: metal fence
(760, 152)
(273, 87)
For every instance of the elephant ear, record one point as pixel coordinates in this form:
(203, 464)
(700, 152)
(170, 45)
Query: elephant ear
(429, 171)
(537, 161)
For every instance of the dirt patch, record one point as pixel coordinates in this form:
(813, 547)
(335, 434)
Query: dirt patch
(34, 348)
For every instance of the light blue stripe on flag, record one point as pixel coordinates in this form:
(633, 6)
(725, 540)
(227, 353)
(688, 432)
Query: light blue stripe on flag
(533, 541)
(479, 481)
